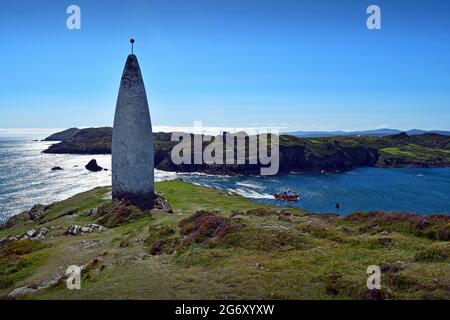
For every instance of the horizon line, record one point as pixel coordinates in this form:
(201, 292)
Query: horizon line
(165, 128)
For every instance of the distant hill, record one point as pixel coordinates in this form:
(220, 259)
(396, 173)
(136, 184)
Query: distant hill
(365, 133)
(415, 132)
(428, 140)
(64, 135)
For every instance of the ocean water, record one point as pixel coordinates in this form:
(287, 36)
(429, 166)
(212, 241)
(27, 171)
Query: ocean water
(423, 191)
(26, 179)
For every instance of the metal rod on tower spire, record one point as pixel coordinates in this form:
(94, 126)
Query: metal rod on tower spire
(132, 46)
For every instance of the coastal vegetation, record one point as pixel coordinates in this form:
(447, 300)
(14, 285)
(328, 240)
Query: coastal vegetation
(296, 154)
(214, 245)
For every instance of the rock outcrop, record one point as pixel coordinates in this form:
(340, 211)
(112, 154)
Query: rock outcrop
(22, 291)
(93, 166)
(162, 204)
(76, 230)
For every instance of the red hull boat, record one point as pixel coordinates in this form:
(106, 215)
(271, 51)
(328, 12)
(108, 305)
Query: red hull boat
(287, 196)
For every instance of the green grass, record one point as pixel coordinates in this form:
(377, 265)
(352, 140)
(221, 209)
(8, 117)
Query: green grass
(399, 153)
(301, 256)
(188, 198)
(412, 154)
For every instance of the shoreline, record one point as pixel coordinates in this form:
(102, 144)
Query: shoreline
(279, 205)
(251, 193)
(206, 233)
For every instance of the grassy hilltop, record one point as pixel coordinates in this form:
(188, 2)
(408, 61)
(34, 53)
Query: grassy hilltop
(296, 154)
(213, 245)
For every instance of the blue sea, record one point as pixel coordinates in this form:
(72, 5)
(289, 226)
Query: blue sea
(423, 191)
(26, 179)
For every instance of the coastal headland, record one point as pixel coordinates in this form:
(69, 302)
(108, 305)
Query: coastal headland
(296, 154)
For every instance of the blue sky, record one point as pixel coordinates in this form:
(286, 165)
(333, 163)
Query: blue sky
(307, 65)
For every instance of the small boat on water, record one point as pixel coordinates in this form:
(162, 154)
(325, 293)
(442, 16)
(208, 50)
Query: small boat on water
(287, 196)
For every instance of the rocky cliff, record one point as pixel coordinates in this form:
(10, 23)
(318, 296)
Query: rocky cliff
(296, 154)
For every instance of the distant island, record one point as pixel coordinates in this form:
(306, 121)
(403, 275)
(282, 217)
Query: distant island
(331, 154)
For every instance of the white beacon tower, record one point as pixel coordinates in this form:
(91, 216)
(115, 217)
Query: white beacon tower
(132, 141)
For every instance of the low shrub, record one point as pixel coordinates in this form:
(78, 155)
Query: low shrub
(435, 227)
(162, 240)
(19, 248)
(339, 284)
(157, 234)
(263, 239)
(204, 225)
(261, 212)
(381, 243)
(401, 281)
(433, 254)
(13, 258)
(374, 294)
(6, 282)
(323, 233)
(116, 213)
(167, 246)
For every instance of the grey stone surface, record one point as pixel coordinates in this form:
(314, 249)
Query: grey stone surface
(21, 292)
(132, 143)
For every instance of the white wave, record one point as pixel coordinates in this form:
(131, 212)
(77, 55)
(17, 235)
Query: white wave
(251, 194)
(165, 175)
(249, 185)
(202, 174)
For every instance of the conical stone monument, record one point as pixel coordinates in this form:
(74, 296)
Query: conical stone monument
(132, 142)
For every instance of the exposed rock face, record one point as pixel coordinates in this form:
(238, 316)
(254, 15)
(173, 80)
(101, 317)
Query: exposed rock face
(75, 230)
(33, 234)
(57, 169)
(296, 154)
(163, 204)
(22, 291)
(36, 211)
(36, 234)
(93, 166)
(132, 141)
